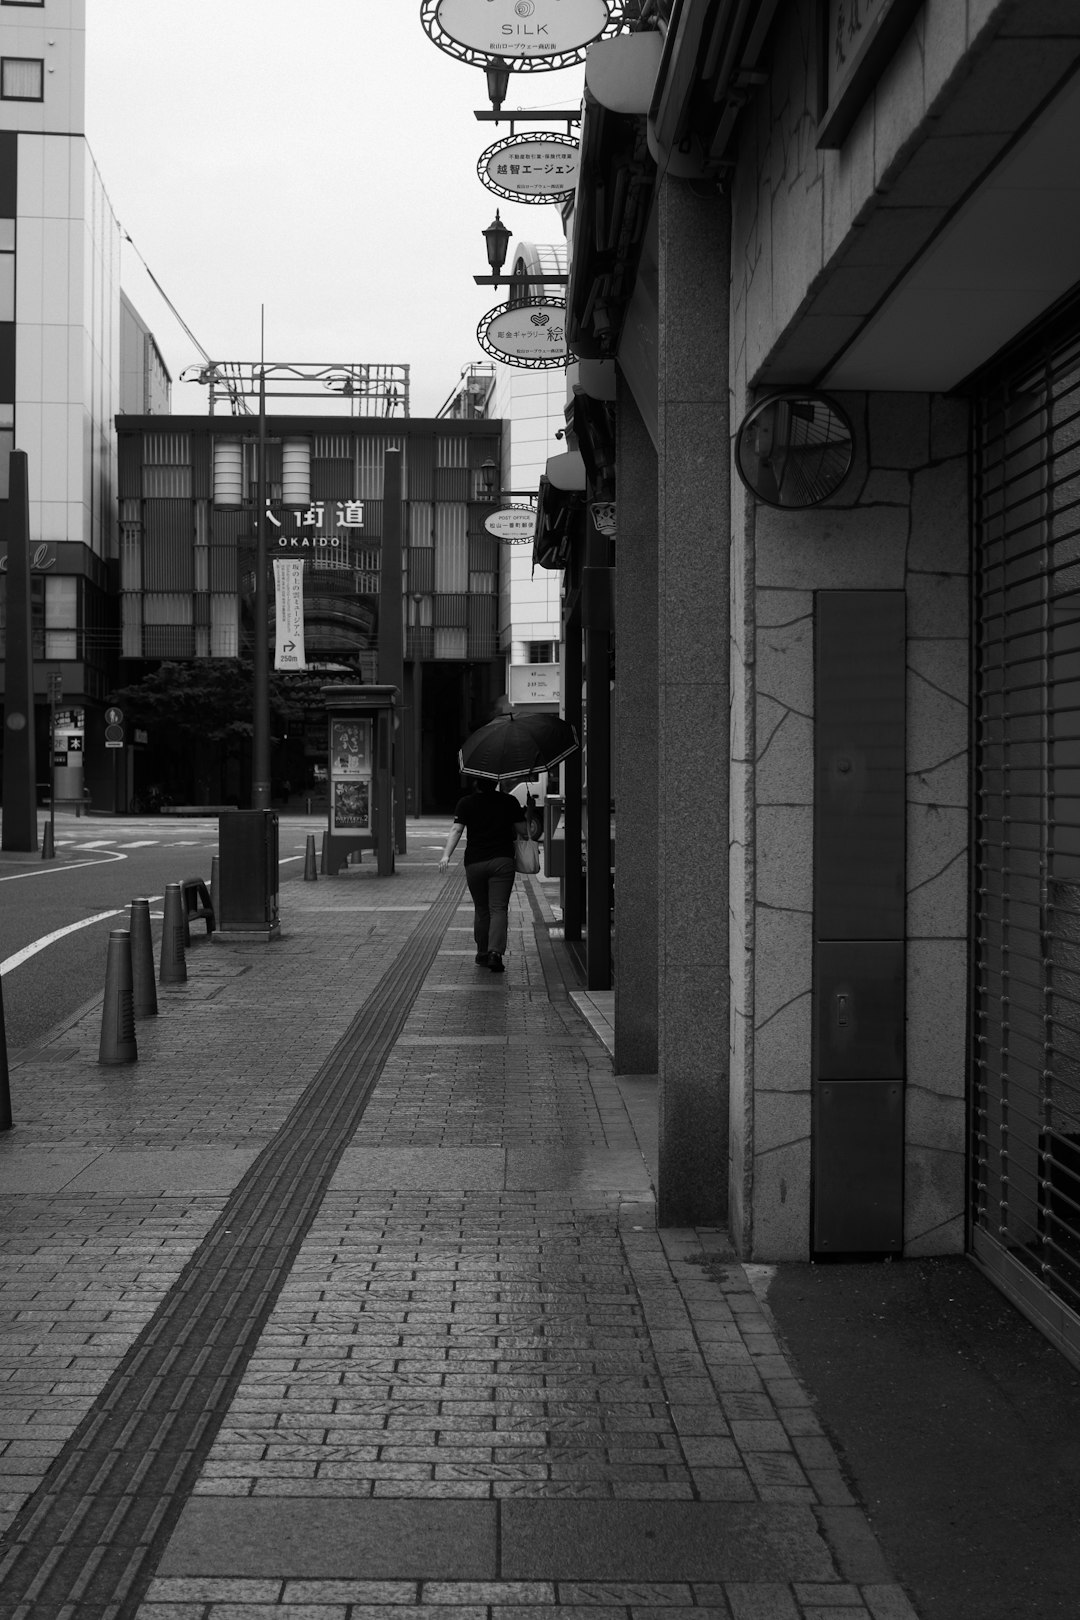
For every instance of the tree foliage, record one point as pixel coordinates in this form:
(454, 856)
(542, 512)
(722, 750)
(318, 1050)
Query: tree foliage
(208, 700)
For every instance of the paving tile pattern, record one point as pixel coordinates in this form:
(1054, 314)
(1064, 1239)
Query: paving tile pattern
(480, 1319)
(250, 1041)
(187, 1599)
(79, 1280)
(89, 1532)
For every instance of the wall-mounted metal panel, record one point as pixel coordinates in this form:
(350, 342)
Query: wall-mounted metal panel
(483, 554)
(859, 1010)
(202, 469)
(857, 1141)
(166, 482)
(483, 641)
(168, 544)
(333, 479)
(452, 484)
(858, 1153)
(451, 612)
(421, 530)
(421, 564)
(859, 797)
(451, 548)
(421, 470)
(129, 469)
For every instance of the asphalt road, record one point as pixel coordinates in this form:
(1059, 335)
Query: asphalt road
(99, 867)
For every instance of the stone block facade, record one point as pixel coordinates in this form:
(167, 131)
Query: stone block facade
(898, 523)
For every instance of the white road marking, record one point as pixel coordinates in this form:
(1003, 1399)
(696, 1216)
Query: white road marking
(48, 939)
(69, 866)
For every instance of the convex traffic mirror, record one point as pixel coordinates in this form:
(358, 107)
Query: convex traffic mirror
(794, 449)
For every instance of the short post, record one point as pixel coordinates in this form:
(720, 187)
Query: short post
(117, 1043)
(144, 990)
(173, 969)
(6, 1120)
(310, 874)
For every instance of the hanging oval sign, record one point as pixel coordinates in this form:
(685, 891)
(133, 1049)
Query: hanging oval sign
(529, 33)
(531, 168)
(516, 524)
(531, 335)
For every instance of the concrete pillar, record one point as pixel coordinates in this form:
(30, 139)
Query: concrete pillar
(638, 733)
(693, 702)
(20, 771)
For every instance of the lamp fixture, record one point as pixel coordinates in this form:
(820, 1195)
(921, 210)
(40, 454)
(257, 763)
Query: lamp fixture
(497, 73)
(497, 242)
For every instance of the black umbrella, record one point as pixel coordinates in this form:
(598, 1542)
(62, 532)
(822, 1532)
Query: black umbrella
(517, 746)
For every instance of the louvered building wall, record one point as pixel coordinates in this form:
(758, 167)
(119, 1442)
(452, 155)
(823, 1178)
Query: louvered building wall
(186, 565)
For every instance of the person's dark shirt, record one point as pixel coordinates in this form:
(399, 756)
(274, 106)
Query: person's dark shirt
(488, 819)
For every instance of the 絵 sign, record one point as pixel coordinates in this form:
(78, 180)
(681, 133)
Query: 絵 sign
(531, 168)
(532, 335)
(523, 28)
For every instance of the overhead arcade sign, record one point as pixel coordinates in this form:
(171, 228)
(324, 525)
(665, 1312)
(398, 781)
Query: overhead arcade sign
(537, 168)
(530, 335)
(514, 524)
(530, 34)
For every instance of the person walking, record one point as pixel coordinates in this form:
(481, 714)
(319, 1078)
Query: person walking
(492, 821)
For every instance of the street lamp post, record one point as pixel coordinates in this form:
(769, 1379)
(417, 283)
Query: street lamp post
(260, 719)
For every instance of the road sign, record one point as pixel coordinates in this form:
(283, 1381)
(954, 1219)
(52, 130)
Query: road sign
(113, 717)
(114, 733)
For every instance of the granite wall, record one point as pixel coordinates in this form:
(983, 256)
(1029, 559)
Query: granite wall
(899, 522)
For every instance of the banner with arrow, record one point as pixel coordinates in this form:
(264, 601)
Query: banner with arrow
(289, 650)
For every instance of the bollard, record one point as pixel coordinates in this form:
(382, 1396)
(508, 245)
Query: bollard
(144, 990)
(6, 1121)
(117, 1014)
(215, 890)
(324, 859)
(310, 874)
(48, 849)
(173, 968)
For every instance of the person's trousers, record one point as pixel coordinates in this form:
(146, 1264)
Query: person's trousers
(490, 884)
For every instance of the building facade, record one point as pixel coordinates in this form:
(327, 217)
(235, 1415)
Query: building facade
(63, 356)
(820, 237)
(188, 558)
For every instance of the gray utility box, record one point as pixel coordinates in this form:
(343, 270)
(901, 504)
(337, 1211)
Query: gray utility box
(248, 871)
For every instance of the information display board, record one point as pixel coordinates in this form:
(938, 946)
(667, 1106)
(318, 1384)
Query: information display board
(350, 775)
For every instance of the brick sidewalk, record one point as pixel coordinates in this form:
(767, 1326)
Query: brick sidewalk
(485, 1385)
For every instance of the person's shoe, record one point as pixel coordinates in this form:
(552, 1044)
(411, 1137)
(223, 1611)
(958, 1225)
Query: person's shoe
(495, 962)
(481, 958)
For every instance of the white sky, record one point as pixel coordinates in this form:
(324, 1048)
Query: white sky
(315, 156)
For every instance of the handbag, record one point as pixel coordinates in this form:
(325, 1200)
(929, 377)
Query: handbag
(534, 824)
(526, 856)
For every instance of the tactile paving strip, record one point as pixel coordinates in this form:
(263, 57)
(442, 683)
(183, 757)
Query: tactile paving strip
(88, 1540)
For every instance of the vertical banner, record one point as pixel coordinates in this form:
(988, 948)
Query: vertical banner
(289, 600)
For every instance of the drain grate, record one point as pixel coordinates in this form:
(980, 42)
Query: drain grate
(92, 1533)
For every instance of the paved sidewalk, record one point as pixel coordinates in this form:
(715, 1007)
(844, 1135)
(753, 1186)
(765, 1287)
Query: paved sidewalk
(347, 1301)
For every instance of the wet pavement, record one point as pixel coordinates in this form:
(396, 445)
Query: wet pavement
(347, 1301)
